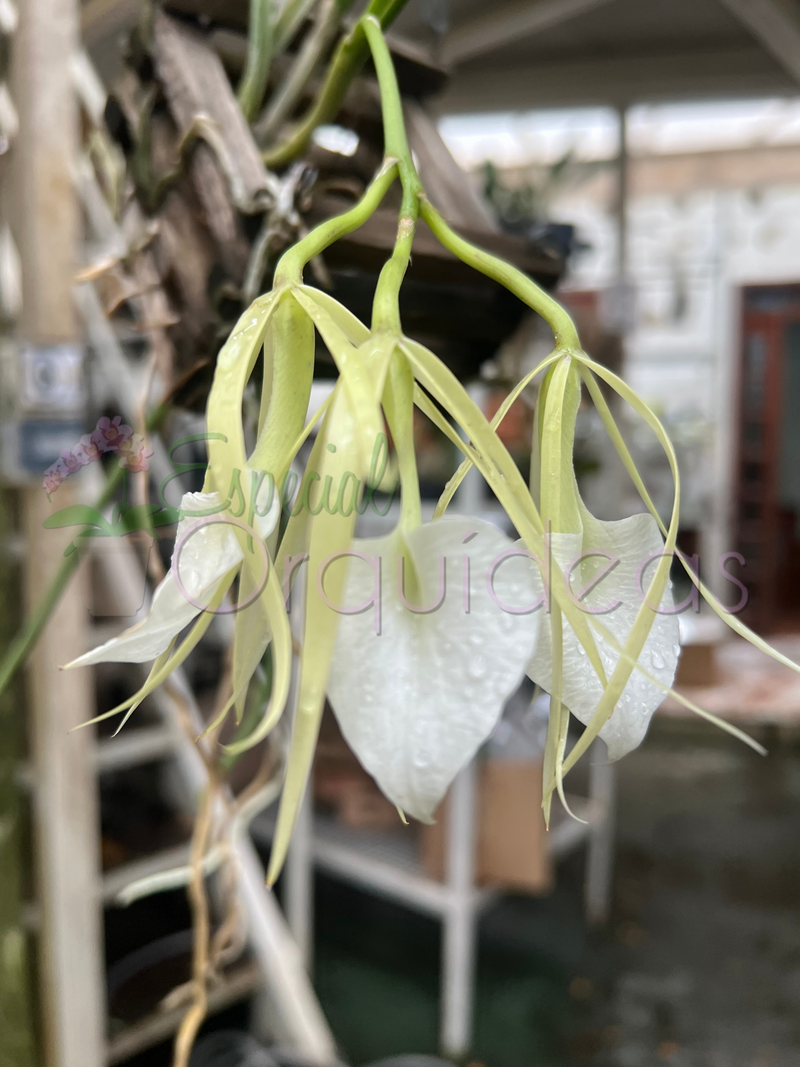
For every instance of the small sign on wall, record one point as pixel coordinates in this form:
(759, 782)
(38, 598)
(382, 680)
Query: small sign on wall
(51, 379)
(43, 407)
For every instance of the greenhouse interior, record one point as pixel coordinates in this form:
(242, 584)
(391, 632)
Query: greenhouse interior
(400, 533)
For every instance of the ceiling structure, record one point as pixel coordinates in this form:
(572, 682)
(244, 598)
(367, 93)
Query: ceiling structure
(520, 54)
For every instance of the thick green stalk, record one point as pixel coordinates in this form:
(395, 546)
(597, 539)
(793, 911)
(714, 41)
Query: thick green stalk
(289, 270)
(386, 302)
(512, 279)
(347, 61)
(259, 56)
(394, 129)
(385, 311)
(398, 396)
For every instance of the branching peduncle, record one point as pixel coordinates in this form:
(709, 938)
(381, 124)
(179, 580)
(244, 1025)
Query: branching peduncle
(290, 266)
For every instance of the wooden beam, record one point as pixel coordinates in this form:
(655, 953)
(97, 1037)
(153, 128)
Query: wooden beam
(775, 24)
(560, 82)
(497, 28)
(45, 221)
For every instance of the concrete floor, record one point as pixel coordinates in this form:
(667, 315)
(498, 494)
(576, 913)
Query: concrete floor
(699, 966)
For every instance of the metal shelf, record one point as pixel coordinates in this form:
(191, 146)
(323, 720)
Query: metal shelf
(387, 862)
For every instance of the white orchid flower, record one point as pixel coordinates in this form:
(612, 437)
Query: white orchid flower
(624, 548)
(418, 680)
(416, 699)
(206, 550)
(603, 568)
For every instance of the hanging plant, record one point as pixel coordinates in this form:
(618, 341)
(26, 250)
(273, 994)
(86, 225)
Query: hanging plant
(419, 637)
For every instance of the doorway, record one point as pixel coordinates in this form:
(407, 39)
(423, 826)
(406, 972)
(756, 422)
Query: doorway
(767, 470)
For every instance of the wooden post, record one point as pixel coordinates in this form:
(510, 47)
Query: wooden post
(45, 221)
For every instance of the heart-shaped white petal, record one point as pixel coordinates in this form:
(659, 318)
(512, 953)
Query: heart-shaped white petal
(417, 699)
(209, 551)
(633, 542)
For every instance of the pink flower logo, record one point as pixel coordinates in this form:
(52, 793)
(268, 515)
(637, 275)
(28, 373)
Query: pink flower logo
(53, 477)
(88, 449)
(71, 461)
(133, 455)
(111, 433)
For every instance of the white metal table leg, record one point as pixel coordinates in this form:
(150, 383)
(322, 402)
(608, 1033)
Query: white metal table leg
(600, 849)
(459, 933)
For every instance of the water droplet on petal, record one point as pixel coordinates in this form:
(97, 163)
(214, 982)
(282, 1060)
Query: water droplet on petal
(476, 668)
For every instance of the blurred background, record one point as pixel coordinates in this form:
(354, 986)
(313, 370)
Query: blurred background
(640, 161)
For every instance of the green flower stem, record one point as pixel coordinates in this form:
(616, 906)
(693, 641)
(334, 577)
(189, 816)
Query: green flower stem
(398, 399)
(394, 130)
(289, 22)
(386, 303)
(347, 61)
(27, 637)
(313, 48)
(259, 56)
(386, 311)
(289, 271)
(512, 279)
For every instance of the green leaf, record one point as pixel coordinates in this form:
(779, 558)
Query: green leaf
(78, 515)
